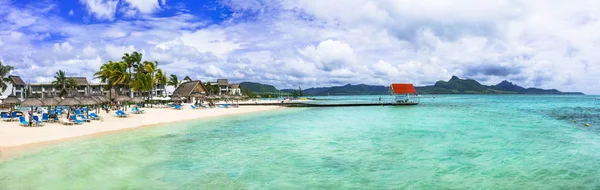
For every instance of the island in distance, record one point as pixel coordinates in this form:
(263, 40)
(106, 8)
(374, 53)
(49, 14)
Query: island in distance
(454, 86)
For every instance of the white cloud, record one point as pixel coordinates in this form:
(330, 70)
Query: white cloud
(144, 6)
(71, 13)
(294, 43)
(101, 9)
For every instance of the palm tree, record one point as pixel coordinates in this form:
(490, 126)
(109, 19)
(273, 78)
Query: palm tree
(4, 79)
(133, 60)
(173, 81)
(150, 69)
(114, 74)
(161, 78)
(71, 83)
(60, 79)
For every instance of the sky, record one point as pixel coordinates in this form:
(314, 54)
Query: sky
(309, 43)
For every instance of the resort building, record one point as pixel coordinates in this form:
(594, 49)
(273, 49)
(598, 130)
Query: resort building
(191, 90)
(83, 87)
(226, 88)
(18, 86)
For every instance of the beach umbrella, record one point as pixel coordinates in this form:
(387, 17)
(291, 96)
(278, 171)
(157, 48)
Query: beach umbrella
(123, 98)
(11, 100)
(69, 101)
(138, 99)
(30, 102)
(175, 98)
(88, 100)
(258, 96)
(58, 98)
(49, 101)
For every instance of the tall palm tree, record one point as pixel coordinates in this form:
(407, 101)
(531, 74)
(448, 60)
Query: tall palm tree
(71, 83)
(161, 78)
(60, 80)
(133, 60)
(173, 81)
(114, 74)
(4, 79)
(150, 69)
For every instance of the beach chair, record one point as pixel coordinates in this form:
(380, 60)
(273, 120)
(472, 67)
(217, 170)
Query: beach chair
(193, 107)
(94, 116)
(55, 119)
(14, 116)
(22, 121)
(45, 117)
(66, 121)
(177, 107)
(223, 106)
(74, 119)
(83, 118)
(120, 113)
(135, 111)
(5, 117)
(37, 121)
(59, 113)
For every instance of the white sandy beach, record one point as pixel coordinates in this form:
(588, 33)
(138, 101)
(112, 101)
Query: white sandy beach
(13, 136)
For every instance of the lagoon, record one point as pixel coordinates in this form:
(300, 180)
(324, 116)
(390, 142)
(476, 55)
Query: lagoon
(450, 141)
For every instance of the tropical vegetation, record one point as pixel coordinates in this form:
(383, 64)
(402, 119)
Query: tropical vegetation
(4, 79)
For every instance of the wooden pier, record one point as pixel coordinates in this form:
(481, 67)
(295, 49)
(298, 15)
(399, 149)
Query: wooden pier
(300, 104)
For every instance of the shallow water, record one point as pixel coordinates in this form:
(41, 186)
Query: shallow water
(481, 142)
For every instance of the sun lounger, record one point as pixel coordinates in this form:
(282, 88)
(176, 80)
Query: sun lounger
(193, 107)
(5, 117)
(14, 116)
(66, 121)
(178, 107)
(83, 118)
(44, 117)
(37, 121)
(22, 121)
(223, 106)
(74, 119)
(120, 113)
(94, 116)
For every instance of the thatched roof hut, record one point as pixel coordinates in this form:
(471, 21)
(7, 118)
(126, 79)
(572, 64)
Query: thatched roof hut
(28, 102)
(69, 101)
(50, 102)
(123, 98)
(187, 89)
(138, 100)
(175, 98)
(88, 100)
(11, 100)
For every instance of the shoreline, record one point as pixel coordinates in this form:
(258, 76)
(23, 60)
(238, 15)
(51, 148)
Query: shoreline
(15, 147)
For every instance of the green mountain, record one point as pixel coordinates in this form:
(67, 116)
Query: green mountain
(468, 86)
(257, 87)
(454, 86)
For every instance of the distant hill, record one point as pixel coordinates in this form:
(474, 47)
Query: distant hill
(454, 86)
(468, 86)
(257, 87)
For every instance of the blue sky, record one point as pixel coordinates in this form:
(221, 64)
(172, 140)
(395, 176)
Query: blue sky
(291, 43)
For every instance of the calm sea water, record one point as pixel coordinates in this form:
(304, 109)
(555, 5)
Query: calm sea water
(479, 142)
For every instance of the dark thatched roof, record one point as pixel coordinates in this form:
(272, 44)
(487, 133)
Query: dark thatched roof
(138, 99)
(187, 88)
(88, 100)
(234, 85)
(81, 81)
(123, 98)
(70, 92)
(69, 101)
(222, 82)
(50, 102)
(175, 98)
(31, 102)
(16, 80)
(187, 78)
(11, 100)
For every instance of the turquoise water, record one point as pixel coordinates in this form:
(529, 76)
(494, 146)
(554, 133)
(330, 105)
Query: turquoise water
(447, 142)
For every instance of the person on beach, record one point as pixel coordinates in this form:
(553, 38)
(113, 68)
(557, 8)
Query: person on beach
(30, 115)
